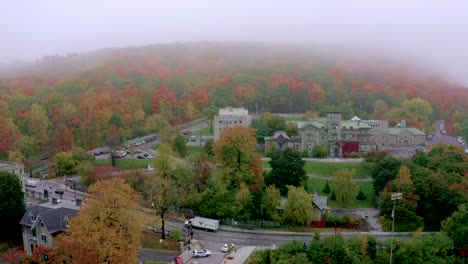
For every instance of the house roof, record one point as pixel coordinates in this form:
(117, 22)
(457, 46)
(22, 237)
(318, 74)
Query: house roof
(321, 202)
(54, 216)
(395, 131)
(356, 124)
(278, 134)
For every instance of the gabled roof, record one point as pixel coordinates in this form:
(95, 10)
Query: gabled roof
(54, 216)
(355, 118)
(321, 202)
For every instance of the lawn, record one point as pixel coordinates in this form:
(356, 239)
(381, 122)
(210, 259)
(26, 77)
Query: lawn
(151, 240)
(194, 150)
(125, 164)
(363, 169)
(203, 131)
(319, 184)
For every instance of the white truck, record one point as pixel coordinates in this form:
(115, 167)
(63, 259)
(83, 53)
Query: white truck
(203, 223)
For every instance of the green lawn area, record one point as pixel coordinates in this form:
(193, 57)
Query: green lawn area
(125, 164)
(194, 150)
(151, 240)
(319, 184)
(362, 169)
(203, 131)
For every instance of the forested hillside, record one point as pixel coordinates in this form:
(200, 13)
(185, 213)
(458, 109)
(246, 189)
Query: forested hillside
(88, 99)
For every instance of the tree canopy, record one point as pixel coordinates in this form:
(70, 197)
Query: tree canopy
(287, 168)
(12, 206)
(108, 224)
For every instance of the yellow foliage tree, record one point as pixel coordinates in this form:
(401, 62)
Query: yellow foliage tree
(108, 223)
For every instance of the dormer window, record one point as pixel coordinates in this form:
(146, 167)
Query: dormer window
(33, 218)
(42, 224)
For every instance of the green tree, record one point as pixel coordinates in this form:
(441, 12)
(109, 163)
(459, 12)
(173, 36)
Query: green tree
(385, 171)
(333, 195)
(326, 189)
(267, 125)
(271, 202)
(456, 226)
(319, 152)
(298, 207)
(287, 168)
(243, 200)
(64, 162)
(179, 145)
(166, 161)
(210, 112)
(12, 207)
(406, 218)
(164, 196)
(345, 187)
(360, 195)
(235, 151)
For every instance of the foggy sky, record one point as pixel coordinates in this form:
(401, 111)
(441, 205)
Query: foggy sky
(428, 32)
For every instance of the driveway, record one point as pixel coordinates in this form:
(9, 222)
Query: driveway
(371, 214)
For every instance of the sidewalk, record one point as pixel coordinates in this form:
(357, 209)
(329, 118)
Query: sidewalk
(187, 254)
(239, 255)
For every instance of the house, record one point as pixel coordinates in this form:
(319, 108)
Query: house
(280, 140)
(319, 203)
(230, 117)
(320, 206)
(42, 223)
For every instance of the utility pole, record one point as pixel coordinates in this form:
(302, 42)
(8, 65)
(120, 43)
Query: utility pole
(394, 197)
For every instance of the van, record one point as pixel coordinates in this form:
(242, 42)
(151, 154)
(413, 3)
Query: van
(31, 183)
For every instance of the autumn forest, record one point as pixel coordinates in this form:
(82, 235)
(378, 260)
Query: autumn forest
(85, 99)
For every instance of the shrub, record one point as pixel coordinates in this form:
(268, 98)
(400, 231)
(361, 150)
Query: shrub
(353, 155)
(319, 152)
(361, 196)
(326, 189)
(333, 196)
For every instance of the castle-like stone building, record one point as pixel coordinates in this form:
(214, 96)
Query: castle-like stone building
(342, 137)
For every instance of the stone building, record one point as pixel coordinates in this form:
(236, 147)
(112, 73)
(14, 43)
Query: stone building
(230, 117)
(342, 137)
(42, 223)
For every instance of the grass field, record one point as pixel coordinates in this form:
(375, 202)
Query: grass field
(151, 240)
(363, 169)
(125, 164)
(203, 131)
(367, 189)
(194, 150)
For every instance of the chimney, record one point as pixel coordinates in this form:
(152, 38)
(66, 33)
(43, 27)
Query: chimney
(78, 202)
(54, 200)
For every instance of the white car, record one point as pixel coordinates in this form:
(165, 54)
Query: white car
(201, 253)
(225, 247)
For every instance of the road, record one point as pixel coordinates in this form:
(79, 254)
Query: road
(241, 238)
(52, 185)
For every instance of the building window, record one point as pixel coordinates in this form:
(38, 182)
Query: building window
(296, 146)
(235, 121)
(42, 224)
(240, 121)
(280, 145)
(44, 238)
(350, 136)
(33, 232)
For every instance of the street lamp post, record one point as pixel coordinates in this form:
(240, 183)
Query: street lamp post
(394, 197)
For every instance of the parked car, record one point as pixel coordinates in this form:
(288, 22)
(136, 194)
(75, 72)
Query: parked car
(146, 155)
(225, 247)
(201, 253)
(59, 191)
(187, 132)
(140, 157)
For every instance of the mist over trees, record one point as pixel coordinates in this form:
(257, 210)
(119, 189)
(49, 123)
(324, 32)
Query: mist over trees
(117, 94)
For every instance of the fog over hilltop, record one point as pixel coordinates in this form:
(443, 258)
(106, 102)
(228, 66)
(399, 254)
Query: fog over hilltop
(429, 34)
